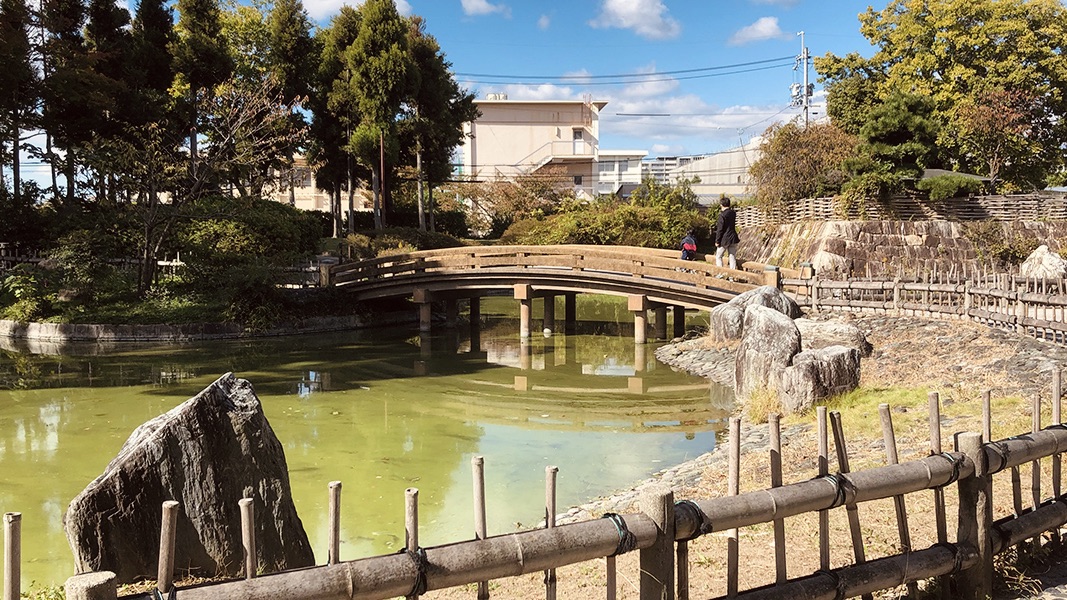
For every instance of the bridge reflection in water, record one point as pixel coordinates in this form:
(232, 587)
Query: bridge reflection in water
(602, 388)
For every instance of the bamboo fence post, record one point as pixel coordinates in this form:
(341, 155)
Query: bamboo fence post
(851, 509)
(550, 523)
(1035, 466)
(824, 470)
(733, 489)
(987, 417)
(774, 429)
(248, 535)
(939, 494)
(1056, 420)
(411, 526)
(975, 522)
(480, 529)
(898, 501)
(168, 529)
(657, 561)
(334, 552)
(12, 556)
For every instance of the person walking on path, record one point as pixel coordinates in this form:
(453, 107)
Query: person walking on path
(726, 239)
(689, 246)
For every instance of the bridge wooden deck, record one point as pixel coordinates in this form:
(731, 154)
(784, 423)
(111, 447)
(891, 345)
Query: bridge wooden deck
(650, 278)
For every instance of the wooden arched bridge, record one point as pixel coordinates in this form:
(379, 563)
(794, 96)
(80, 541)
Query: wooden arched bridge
(649, 278)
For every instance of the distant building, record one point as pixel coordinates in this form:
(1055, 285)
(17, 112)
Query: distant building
(562, 137)
(724, 172)
(307, 194)
(659, 168)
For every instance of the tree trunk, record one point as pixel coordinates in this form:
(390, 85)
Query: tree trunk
(351, 197)
(70, 176)
(16, 181)
(52, 167)
(292, 180)
(375, 182)
(422, 204)
(335, 208)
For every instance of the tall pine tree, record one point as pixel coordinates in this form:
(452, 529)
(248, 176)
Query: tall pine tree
(292, 55)
(200, 58)
(18, 86)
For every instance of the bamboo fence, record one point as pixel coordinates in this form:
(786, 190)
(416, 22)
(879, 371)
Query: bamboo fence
(961, 559)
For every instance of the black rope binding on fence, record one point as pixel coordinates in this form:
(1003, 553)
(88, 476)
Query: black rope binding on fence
(839, 482)
(627, 540)
(956, 463)
(705, 523)
(418, 558)
(957, 564)
(171, 595)
(838, 588)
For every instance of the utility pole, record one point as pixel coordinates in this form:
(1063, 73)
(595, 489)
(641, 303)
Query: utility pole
(802, 95)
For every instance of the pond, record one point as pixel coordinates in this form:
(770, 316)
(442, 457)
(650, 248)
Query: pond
(380, 410)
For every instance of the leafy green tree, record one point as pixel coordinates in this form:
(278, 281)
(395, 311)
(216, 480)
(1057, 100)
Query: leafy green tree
(19, 81)
(151, 71)
(995, 130)
(800, 162)
(437, 110)
(291, 61)
(381, 77)
(109, 45)
(951, 51)
(201, 59)
(901, 134)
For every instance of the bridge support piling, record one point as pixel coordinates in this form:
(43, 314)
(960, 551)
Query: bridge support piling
(661, 322)
(638, 305)
(475, 319)
(679, 321)
(640, 358)
(422, 297)
(525, 354)
(524, 294)
(549, 322)
(570, 313)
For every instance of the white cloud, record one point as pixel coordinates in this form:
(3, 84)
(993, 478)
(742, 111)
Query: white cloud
(765, 28)
(654, 85)
(647, 18)
(473, 8)
(544, 21)
(544, 91)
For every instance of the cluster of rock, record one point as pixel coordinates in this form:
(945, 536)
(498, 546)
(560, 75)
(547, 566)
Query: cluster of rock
(1044, 264)
(799, 361)
(207, 454)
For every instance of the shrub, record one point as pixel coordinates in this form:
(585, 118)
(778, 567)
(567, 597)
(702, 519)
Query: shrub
(943, 187)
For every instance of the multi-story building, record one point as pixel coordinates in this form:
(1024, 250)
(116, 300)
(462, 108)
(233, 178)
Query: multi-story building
(724, 172)
(526, 137)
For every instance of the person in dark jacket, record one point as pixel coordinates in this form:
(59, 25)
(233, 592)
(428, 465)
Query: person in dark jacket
(726, 239)
(689, 246)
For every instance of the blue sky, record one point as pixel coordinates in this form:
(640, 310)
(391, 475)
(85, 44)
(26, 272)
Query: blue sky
(555, 49)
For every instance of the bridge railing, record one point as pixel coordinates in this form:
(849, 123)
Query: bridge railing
(638, 262)
(663, 528)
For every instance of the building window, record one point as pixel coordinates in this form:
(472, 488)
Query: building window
(624, 165)
(577, 180)
(607, 166)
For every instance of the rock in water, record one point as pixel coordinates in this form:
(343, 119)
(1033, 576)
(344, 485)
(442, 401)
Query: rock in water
(207, 453)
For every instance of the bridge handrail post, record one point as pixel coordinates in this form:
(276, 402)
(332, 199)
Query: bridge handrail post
(772, 276)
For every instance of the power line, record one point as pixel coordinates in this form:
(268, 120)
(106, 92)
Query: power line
(625, 75)
(651, 77)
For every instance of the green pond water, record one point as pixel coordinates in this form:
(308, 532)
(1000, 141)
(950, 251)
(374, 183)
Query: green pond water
(380, 410)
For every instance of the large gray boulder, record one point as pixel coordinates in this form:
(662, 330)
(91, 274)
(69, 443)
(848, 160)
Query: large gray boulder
(769, 342)
(1044, 264)
(207, 453)
(818, 374)
(727, 320)
(823, 334)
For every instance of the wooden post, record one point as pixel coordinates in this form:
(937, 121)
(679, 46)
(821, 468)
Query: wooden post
(975, 522)
(660, 325)
(168, 529)
(480, 530)
(940, 519)
(775, 431)
(772, 276)
(657, 561)
(679, 321)
(898, 501)
(411, 522)
(824, 470)
(550, 522)
(638, 305)
(987, 417)
(524, 294)
(814, 294)
(98, 585)
(1057, 419)
(423, 298)
(851, 508)
(12, 556)
(733, 489)
(570, 313)
(248, 536)
(334, 552)
(549, 322)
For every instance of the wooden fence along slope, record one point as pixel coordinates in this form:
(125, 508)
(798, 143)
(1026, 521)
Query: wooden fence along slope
(663, 528)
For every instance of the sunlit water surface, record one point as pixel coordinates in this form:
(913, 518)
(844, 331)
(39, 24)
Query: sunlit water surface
(379, 410)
